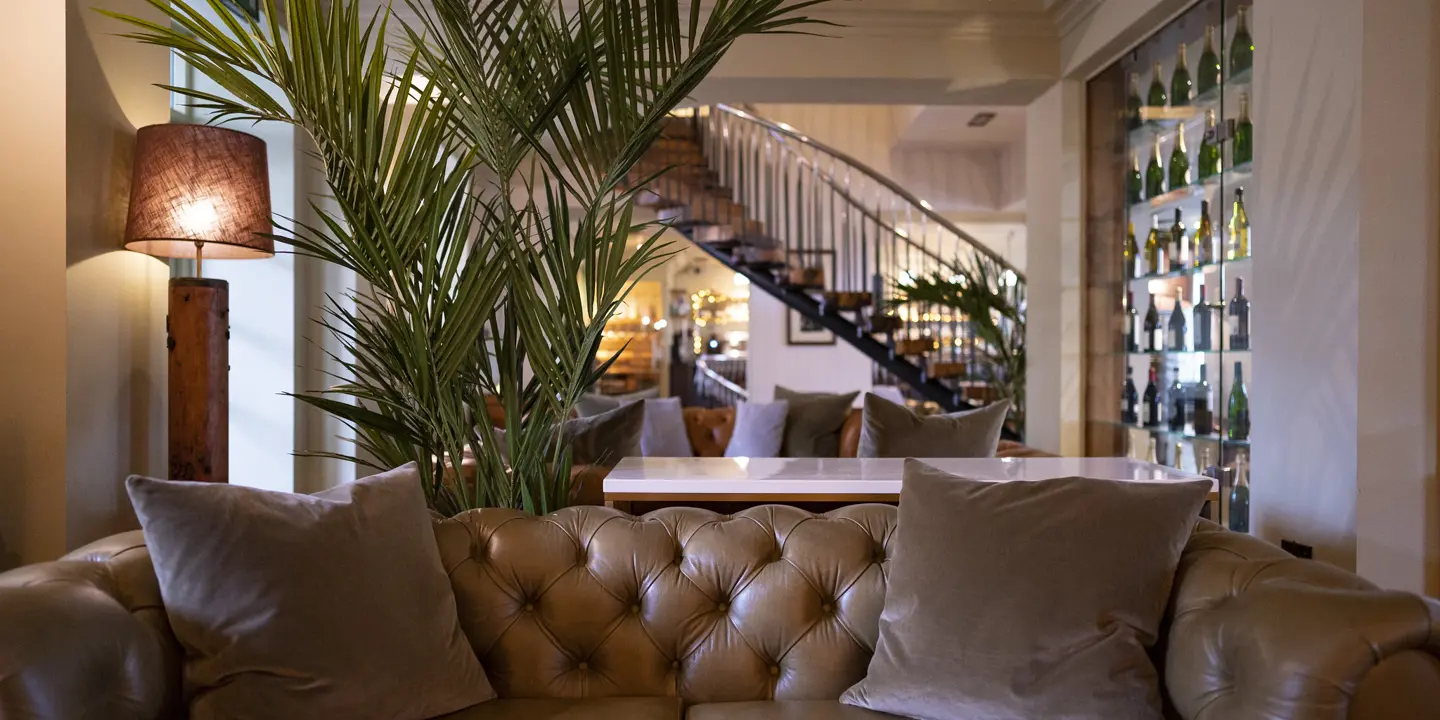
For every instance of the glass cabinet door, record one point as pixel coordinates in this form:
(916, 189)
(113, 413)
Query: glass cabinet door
(1169, 237)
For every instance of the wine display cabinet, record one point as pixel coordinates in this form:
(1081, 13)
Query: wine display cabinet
(1169, 240)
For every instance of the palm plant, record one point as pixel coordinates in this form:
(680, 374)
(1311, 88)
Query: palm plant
(480, 175)
(983, 292)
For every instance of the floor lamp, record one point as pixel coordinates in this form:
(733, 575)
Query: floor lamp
(199, 192)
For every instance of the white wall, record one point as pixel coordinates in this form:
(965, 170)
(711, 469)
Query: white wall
(32, 287)
(819, 368)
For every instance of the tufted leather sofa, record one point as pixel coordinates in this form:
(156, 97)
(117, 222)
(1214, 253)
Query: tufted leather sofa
(769, 614)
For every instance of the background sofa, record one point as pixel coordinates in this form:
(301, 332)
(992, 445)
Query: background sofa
(591, 614)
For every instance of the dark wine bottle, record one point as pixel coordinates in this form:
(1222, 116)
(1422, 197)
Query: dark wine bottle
(1154, 338)
(1157, 89)
(1243, 148)
(1240, 496)
(1133, 103)
(1240, 318)
(1152, 401)
(1155, 173)
(1132, 324)
(1207, 75)
(1204, 237)
(1179, 162)
(1209, 156)
(1203, 419)
(1242, 46)
(1180, 84)
(1132, 253)
(1203, 318)
(1130, 400)
(1239, 228)
(1177, 325)
(1154, 250)
(1178, 250)
(1178, 401)
(1238, 409)
(1135, 182)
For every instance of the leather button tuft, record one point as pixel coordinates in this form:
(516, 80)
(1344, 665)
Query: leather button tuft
(584, 666)
(827, 607)
(774, 671)
(635, 609)
(675, 665)
(722, 607)
(529, 607)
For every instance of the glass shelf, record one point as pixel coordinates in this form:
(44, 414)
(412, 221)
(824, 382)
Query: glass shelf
(1188, 433)
(1158, 353)
(1234, 177)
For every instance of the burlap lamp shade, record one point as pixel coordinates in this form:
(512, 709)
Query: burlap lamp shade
(197, 184)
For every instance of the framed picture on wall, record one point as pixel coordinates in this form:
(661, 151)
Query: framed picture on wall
(801, 330)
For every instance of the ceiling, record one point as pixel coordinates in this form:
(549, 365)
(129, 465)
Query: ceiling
(946, 125)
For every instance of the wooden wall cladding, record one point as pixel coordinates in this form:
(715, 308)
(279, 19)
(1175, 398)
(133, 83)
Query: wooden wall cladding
(1103, 316)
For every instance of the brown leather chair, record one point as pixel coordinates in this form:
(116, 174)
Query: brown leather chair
(769, 614)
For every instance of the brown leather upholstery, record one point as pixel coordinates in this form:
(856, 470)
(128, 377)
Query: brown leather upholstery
(785, 710)
(769, 604)
(582, 709)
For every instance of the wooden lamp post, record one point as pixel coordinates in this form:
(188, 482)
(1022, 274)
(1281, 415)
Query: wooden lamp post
(199, 192)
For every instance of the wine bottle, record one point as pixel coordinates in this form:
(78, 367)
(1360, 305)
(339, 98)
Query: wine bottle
(1243, 148)
(1207, 75)
(1135, 183)
(1242, 46)
(1155, 173)
(1204, 237)
(1239, 228)
(1179, 457)
(1240, 496)
(1132, 324)
(1179, 253)
(1177, 323)
(1153, 249)
(1209, 157)
(1157, 89)
(1152, 401)
(1203, 319)
(1150, 455)
(1132, 253)
(1180, 84)
(1154, 340)
(1179, 162)
(1240, 312)
(1133, 103)
(1238, 409)
(1177, 404)
(1130, 400)
(1202, 418)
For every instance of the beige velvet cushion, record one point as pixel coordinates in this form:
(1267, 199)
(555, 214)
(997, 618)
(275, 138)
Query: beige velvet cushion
(606, 438)
(1026, 599)
(813, 422)
(331, 605)
(888, 430)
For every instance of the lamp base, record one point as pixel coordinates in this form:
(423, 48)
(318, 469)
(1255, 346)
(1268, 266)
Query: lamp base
(199, 336)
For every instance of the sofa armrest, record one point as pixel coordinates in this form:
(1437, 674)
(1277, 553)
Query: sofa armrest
(80, 638)
(1256, 633)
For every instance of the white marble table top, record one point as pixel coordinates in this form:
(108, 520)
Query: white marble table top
(851, 476)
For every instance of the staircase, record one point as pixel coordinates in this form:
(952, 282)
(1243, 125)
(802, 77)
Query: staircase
(827, 236)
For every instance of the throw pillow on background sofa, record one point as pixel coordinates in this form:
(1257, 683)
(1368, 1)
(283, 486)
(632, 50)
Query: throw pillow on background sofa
(602, 439)
(325, 605)
(888, 430)
(1027, 599)
(664, 432)
(594, 403)
(759, 429)
(813, 422)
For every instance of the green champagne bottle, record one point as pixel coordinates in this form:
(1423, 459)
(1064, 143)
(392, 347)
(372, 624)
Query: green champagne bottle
(1180, 83)
(1207, 75)
(1153, 249)
(1204, 237)
(1155, 173)
(1209, 157)
(1239, 228)
(1243, 150)
(1238, 409)
(1135, 183)
(1179, 162)
(1242, 47)
(1239, 520)
(1157, 89)
(1132, 254)
(1133, 103)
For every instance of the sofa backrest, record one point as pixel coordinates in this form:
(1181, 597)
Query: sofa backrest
(773, 602)
(709, 430)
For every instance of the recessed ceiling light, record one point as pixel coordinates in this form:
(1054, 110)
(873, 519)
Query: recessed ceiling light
(981, 119)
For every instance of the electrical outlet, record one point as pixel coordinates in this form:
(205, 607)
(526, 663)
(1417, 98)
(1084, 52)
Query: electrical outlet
(1299, 550)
